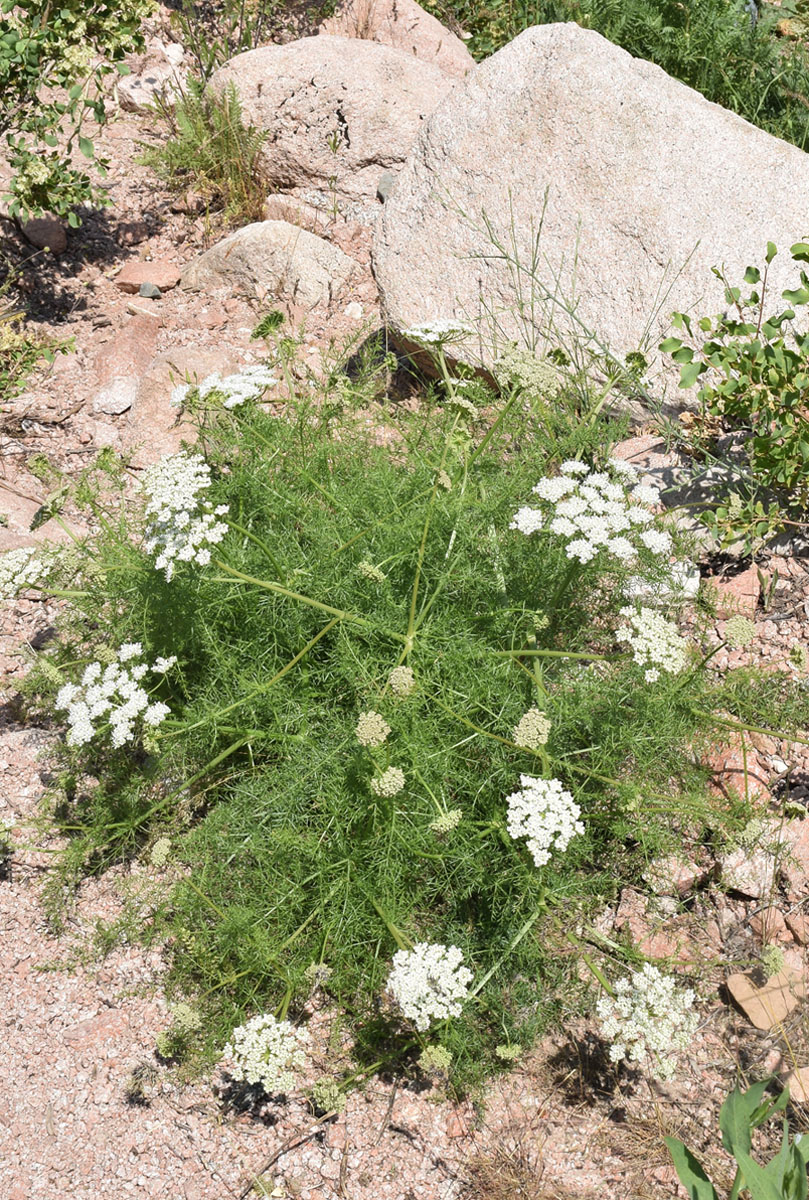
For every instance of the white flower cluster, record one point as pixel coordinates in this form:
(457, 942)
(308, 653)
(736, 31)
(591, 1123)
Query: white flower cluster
(402, 681)
(545, 814)
(20, 569)
(429, 982)
(372, 729)
(180, 525)
(438, 331)
(389, 783)
(656, 643)
(267, 1051)
(249, 383)
(113, 696)
(593, 511)
(649, 1018)
(532, 729)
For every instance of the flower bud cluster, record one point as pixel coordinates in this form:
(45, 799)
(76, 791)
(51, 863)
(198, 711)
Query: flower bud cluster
(532, 730)
(180, 526)
(389, 783)
(372, 729)
(446, 822)
(113, 697)
(402, 681)
(268, 1052)
(656, 643)
(649, 1018)
(429, 982)
(544, 814)
(595, 513)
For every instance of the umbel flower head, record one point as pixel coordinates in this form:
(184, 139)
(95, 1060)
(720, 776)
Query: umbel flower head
(180, 525)
(20, 569)
(649, 1018)
(112, 699)
(656, 643)
(372, 729)
(593, 512)
(267, 1051)
(544, 814)
(429, 983)
(247, 384)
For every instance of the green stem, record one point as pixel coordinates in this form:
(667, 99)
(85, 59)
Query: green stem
(411, 623)
(557, 654)
(728, 724)
(261, 545)
(515, 943)
(340, 613)
(237, 745)
(263, 687)
(595, 971)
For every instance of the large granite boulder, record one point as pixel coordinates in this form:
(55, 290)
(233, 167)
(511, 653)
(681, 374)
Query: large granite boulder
(338, 112)
(406, 26)
(563, 157)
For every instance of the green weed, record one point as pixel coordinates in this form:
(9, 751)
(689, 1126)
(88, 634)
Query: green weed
(210, 149)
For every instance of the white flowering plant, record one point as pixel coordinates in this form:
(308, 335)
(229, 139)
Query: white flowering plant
(648, 1020)
(395, 723)
(267, 1052)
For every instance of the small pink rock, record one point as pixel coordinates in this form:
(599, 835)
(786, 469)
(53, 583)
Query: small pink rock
(162, 274)
(131, 233)
(673, 876)
(737, 594)
(769, 925)
(798, 926)
(798, 1083)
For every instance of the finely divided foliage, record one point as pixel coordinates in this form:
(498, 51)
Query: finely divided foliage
(401, 779)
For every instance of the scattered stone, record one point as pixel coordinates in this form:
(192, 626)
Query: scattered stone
(354, 310)
(592, 142)
(46, 233)
(149, 291)
(749, 871)
(798, 925)
(280, 207)
(161, 274)
(190, 201)
(160, 82)
(337, 111)
(737, 595)
(673, 876)
(405, 26)
(767, 1004)
(769, 925)
(794, 856)
(273, 259)
(798, 1083)
(737, 768)
(120, 363)
(131, 233)
(153, 427)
